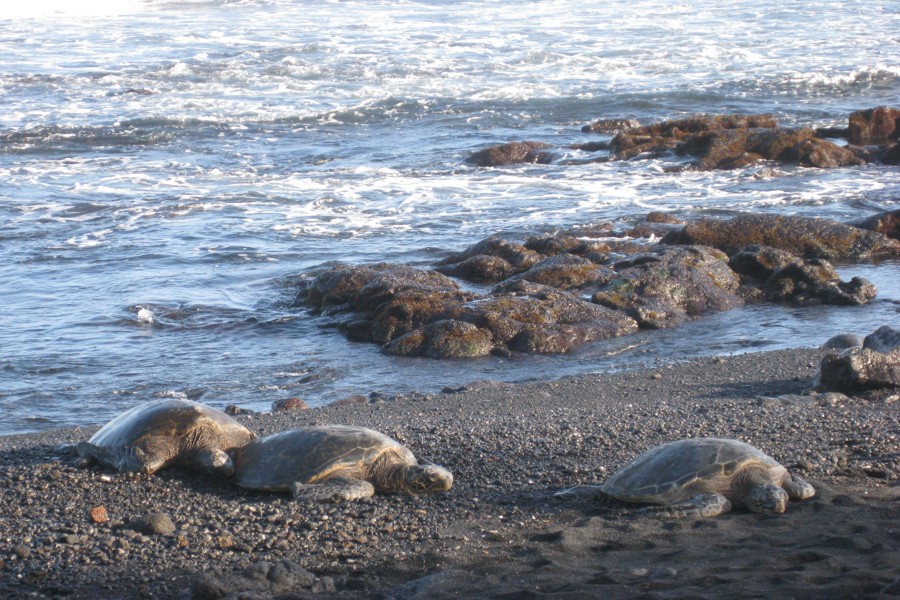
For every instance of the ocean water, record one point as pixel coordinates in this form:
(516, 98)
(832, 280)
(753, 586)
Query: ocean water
(171, 169)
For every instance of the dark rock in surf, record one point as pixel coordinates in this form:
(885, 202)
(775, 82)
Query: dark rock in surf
(611, 125)
(447, 338)
(663, 137)
(784, 277)
(885, 223)
(512, 153)
(879, 125)
(528, 317)
(663, 288)
(489, 261)
(387, 300)
(804, 236)
(736, 148)
(563, 272)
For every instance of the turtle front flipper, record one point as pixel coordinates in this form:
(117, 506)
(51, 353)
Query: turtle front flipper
(579, 492)
(700, 505)
(798, 488)
(214, 461)
(338, 489)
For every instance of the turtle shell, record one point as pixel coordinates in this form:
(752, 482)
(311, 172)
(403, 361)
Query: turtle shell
(674, 472)
(173, 419)
(157, 434)
(313, 454)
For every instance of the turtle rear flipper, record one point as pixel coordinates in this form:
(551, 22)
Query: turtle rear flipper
(338, 489)
(123, 460)
(700, 505)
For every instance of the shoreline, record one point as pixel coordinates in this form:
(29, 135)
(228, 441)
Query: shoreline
(499, 531)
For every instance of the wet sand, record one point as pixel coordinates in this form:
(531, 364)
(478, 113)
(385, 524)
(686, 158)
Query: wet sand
(499, 533)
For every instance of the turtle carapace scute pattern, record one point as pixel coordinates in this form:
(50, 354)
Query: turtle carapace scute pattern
(166, 433)
(702, 477)
(333, 463)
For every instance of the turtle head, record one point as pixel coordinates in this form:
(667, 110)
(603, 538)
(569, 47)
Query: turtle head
(426, 478)
(769, 499)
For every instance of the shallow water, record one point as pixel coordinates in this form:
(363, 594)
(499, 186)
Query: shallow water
(172, 168)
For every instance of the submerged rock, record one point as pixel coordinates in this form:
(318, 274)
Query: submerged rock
(669, 285)
(512, 153)
(804, 236)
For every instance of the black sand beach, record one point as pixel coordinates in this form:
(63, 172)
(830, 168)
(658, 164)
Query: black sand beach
(499, 533)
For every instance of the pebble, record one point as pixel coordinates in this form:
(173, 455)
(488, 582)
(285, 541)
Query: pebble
(154, 523)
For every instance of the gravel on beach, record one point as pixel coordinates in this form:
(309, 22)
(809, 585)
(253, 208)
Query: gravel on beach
(94, 533)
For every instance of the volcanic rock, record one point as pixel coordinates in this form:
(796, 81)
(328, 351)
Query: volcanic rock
(663, 288)
(804, 236)
(512, 153)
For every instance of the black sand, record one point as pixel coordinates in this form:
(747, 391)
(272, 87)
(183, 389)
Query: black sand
(499, 533)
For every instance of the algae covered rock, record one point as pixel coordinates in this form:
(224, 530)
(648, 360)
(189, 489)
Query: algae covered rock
(512, 153)
(784, 277)
(670, 285)
(807, 237)
(491, 260)
(447, 338)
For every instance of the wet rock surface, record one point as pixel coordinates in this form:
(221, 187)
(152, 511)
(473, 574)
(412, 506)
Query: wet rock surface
(806, 237)
(722, 142)
(555, 291)
(512, 153)
(499, 532)
(669, 285)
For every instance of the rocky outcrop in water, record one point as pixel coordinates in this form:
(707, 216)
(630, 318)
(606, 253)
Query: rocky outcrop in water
(667, 286)
(512, 153)
(555, 291)
(783, 277)
(885, 223)
(806, 237)
(724, 142)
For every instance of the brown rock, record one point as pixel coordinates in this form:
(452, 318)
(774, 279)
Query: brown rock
(611, 125)
(489, 261)
(662, 288)
(99, 514)
(444, 339)
(859, 369)
(878, 125)
(886, 223)
(804, 236)
(512, 153)
(286, 404)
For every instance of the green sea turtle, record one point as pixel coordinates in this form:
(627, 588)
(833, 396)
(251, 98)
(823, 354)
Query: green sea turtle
(159, 434)
(331, 463)
(702, 477)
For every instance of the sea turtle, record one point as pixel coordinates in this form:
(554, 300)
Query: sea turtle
(702, 477)
(158, 434)
(331, 463)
